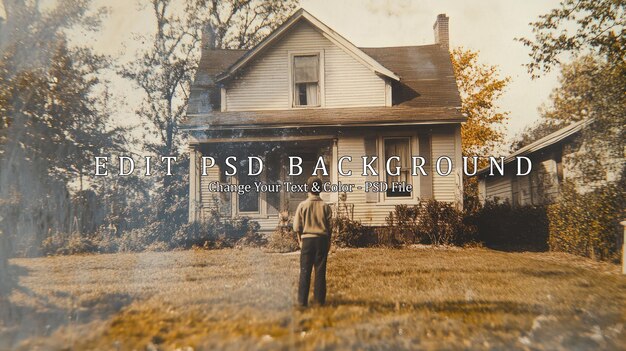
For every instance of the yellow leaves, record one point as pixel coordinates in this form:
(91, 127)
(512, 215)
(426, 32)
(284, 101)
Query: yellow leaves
(480, 86)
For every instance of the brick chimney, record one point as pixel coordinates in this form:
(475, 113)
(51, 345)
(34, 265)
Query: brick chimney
(208, 37)
(442, 33)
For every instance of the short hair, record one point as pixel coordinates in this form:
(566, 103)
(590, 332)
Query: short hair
(314, 180)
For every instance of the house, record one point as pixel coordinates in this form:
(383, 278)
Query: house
(552, 164)
(305, 91)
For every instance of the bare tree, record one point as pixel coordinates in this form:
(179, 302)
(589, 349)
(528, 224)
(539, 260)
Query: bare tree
(164, 70)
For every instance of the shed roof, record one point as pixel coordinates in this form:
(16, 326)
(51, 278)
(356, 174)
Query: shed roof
(544, 142)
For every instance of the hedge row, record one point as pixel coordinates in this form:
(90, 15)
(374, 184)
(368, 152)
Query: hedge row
(582, 224)
(588, 224)
(501, 225)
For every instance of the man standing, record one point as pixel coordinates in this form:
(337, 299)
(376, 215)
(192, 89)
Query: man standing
(312, 223)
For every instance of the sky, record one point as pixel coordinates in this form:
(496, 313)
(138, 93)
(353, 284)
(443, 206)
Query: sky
(487, 26)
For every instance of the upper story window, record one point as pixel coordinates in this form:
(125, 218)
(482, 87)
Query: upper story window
(306, 80)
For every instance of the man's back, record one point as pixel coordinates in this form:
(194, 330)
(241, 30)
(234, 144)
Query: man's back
(312, 224)
(313, 216)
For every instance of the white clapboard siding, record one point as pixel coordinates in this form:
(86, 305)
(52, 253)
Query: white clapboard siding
(369, 213)
(444, 187)
(267, 224)
(208, 199)
(499, 187)
(372, 214)
(264, 85)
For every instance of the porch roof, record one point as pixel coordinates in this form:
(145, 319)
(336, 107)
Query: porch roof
(324, 117)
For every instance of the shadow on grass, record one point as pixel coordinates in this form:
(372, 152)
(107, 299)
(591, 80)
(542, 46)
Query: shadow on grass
(33, 314)
(518, 248)
(539, 273)
(451, 307)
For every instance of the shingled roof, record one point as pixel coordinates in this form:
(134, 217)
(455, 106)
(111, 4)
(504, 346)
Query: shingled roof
(426, 93)
(426, 75)
(214, 62)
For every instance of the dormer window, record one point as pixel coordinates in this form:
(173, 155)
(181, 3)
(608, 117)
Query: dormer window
(306, 80)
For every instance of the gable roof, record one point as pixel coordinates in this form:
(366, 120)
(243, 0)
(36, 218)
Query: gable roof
(426, 77)
(544, 142)
(330, 34)
(426, 91)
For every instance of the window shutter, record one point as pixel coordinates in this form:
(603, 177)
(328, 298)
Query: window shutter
(305, 69)
(426, 182)
(370, 150)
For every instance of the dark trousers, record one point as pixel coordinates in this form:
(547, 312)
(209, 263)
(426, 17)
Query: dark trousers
(313, 254)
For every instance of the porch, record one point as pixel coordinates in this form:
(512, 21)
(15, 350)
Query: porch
(231, 186)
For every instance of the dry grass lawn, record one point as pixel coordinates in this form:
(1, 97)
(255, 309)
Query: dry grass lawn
(417, 298)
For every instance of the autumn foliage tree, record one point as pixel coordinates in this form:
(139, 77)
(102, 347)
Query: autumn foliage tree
(480, 86)
(577, 27)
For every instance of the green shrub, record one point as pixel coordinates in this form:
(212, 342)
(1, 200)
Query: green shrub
(350, 233)
(402, 227)
(502, 225)
(429, 222)
(588, 224)
(283, 239)
(441, 223)
(137, 239)
(240, 229)
(68, 244)
(252, 239)
(217, 232)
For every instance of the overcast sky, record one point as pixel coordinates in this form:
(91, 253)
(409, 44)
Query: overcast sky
(488, 26)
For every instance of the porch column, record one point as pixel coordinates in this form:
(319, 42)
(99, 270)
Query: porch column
(334, 175)
(194, 184)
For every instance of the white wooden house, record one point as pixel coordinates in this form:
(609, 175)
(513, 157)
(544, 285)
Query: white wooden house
(307, 91)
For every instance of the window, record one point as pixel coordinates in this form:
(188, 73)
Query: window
(249, 201)
(400, 147)
(306, 76)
